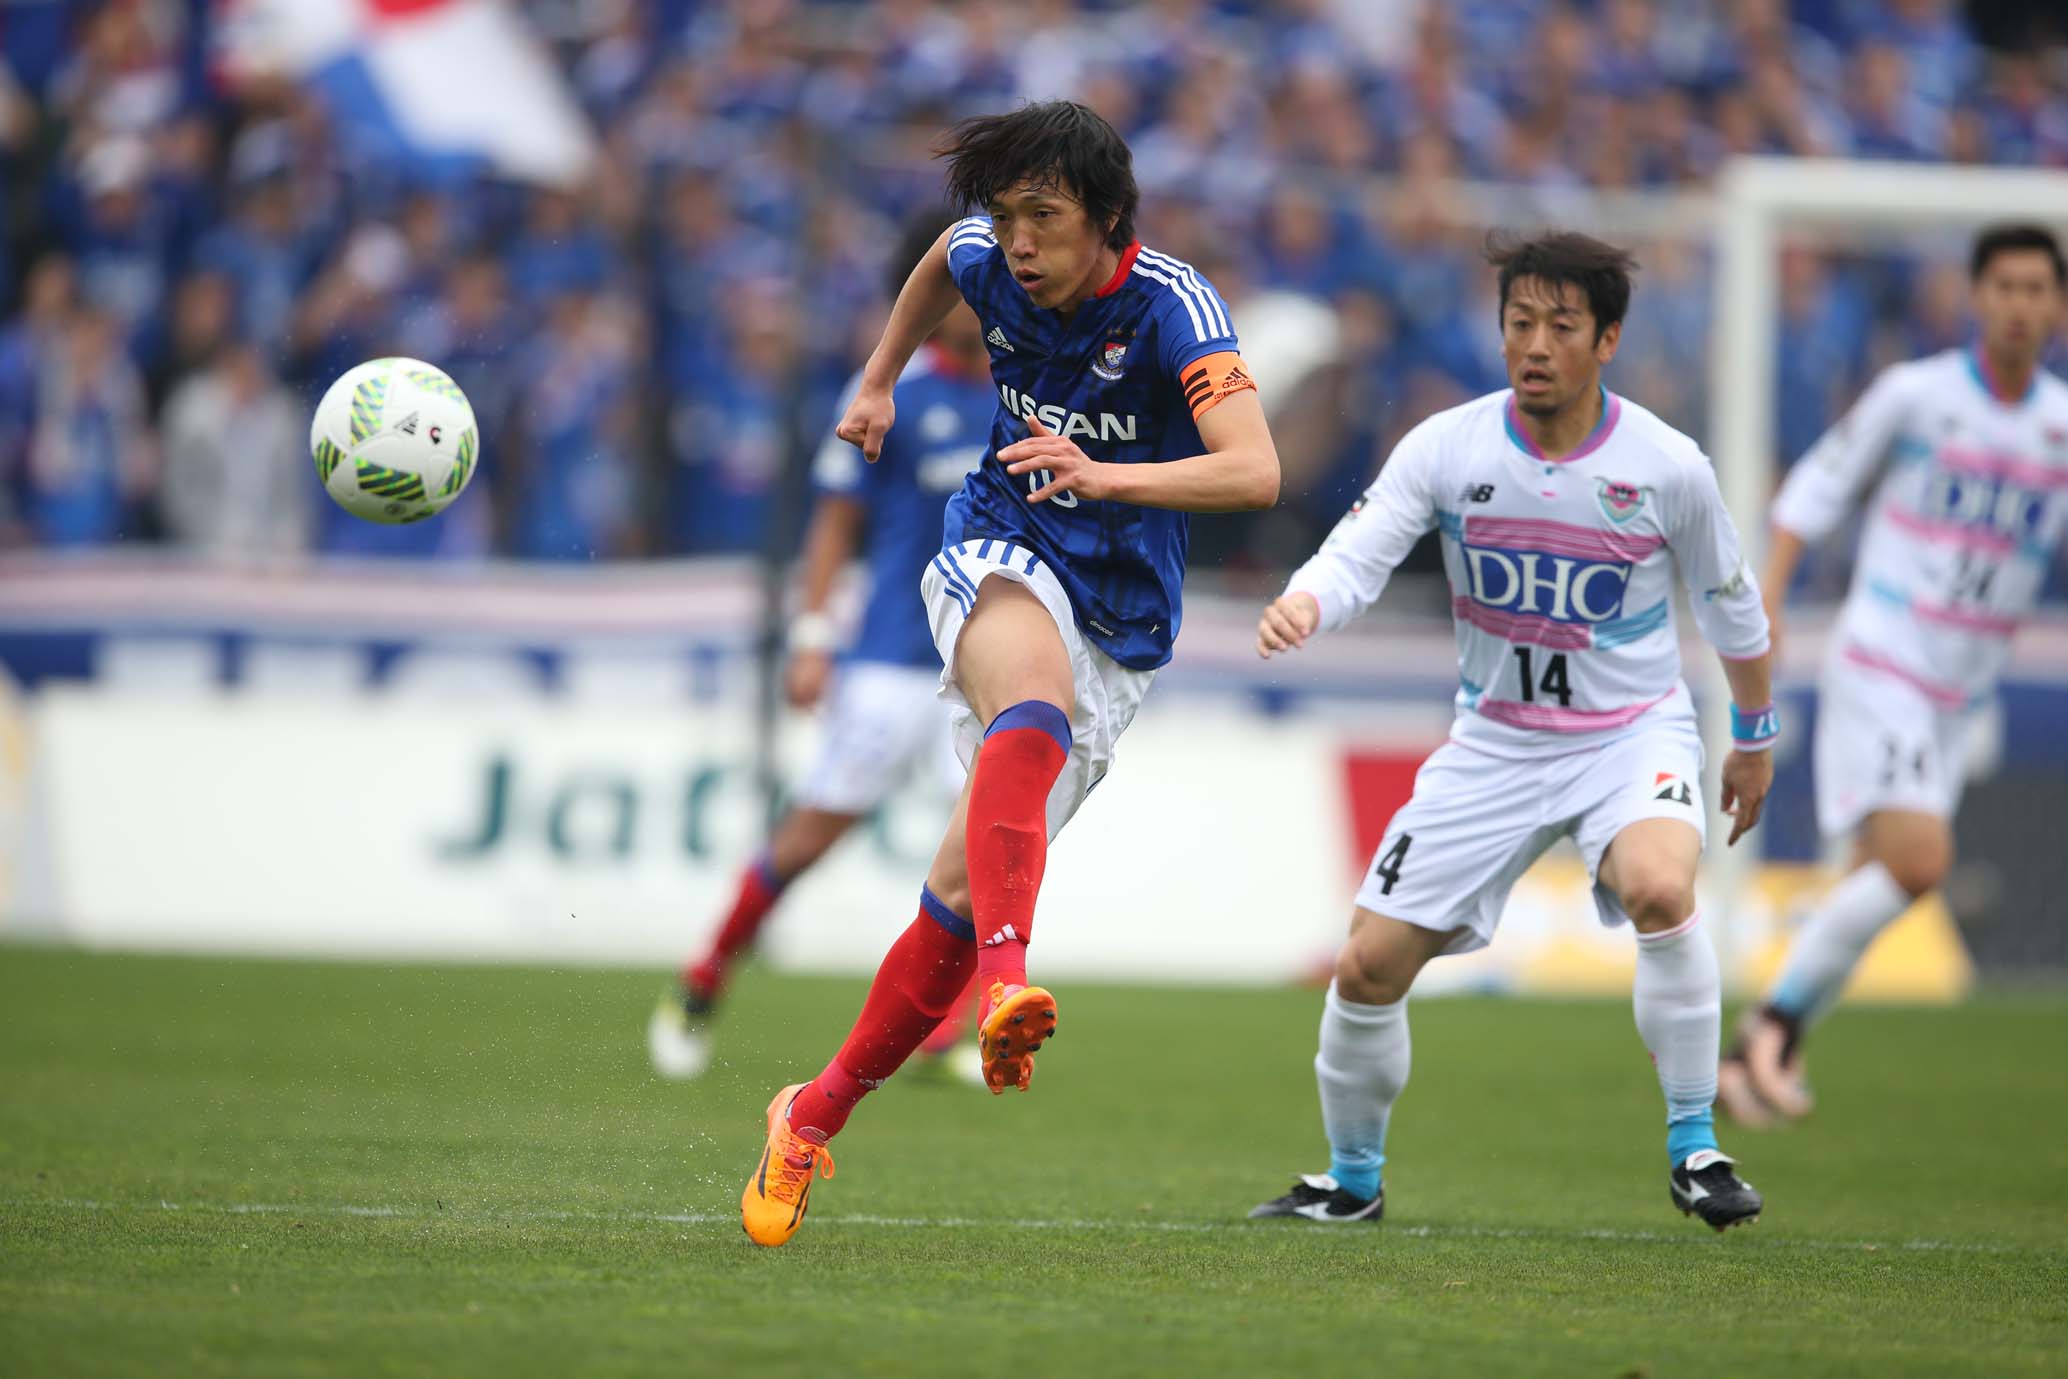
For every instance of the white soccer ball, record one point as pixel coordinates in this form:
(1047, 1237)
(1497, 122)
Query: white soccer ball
(394, 441)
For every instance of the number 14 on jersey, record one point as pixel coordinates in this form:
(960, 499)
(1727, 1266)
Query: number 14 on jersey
(1554, 685)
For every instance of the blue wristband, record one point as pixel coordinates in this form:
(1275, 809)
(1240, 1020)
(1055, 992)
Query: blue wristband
(1754, 731)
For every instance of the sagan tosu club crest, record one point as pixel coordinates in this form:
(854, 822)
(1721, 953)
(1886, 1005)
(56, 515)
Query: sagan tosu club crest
(1619, 501)
(1111, 361)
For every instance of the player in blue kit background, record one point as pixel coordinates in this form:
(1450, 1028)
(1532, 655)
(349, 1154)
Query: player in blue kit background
(1123, 406)
(883, 715)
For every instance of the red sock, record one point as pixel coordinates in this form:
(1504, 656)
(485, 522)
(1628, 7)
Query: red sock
(920, 979)
(948, 1033)
(760, 888)
(1006, 843)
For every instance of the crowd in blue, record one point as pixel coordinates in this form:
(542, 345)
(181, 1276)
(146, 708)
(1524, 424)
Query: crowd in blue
(184, 265)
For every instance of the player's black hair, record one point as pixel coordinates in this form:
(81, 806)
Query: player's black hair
(918, 234)
(2011, 239)
(1600, 270)
(1058, 144)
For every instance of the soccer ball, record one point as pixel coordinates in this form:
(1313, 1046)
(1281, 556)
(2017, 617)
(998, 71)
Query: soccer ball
(394, 441)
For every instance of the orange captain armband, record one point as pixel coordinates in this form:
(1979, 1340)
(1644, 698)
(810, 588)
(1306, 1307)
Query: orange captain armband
(1212, 379)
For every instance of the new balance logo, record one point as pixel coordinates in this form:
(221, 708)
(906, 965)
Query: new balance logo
(1477, 493)
(997, 338)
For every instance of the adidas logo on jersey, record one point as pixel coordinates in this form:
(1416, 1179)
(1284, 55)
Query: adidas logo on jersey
(997, 338)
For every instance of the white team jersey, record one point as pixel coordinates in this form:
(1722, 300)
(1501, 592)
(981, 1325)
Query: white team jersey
(1560, 570)
(1971, 500)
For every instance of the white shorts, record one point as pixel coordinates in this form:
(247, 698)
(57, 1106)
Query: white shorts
(882, 722)
(1476, 822)
(1882, 744)
(1108, 693)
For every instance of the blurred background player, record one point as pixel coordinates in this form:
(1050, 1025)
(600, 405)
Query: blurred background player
(1966, 455)
(884, 718)
(1056, 595)
(1566, 512)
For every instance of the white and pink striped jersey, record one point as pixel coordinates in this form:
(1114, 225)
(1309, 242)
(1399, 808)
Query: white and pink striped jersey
(1970, 497)
(1561, 571)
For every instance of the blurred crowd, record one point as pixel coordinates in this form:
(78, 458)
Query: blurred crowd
(186, 262)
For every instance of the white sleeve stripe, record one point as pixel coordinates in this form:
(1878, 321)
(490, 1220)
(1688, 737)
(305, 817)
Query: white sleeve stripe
(1199, 330)
(1216, 314)
(960, 241)
(1185, 284)
(1214, 311)
(973, 222)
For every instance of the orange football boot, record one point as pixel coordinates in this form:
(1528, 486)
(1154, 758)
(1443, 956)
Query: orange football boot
(773, 1205)
(1017, 1021)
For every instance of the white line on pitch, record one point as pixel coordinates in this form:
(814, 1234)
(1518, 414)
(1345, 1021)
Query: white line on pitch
(699, 1218)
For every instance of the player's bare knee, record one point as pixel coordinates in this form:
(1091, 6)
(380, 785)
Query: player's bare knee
(1010, 652)
(952, 891)
(1921, 869)
(1916, 850)
(1370, 978)
(1656, 898)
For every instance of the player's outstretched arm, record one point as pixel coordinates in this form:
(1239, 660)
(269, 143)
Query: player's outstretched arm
(1831, 479)
(1724, 597)
(924, 302)
(830, 541)
(1239, 472)
(1350, 571)
(1784, 552)
(1288, 621)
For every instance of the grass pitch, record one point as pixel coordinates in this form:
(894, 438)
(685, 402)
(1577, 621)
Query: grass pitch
(214, 1167)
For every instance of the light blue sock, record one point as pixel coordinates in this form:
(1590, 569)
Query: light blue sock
(1689, 1135)
(1357, 1174)
(1360, 1068)
(1678, 997)
(1833, 940)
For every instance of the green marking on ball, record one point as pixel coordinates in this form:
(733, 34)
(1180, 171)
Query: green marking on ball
(367, 401)
(383, 482)
(327, 456)
(462, 465)
(433, 382)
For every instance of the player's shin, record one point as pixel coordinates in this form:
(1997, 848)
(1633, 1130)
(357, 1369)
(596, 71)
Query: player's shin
(1006, 836)
(1361, 1067)
(922, 976)
(759, 889)
(1678, 998)
(1833, 941)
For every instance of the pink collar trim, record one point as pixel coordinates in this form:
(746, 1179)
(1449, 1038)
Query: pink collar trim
(1611, 413)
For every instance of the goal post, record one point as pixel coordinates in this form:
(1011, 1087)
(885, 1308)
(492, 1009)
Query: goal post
(1759, 201)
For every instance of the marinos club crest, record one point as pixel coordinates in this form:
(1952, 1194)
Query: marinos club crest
(1111, 361)
(1619, 501)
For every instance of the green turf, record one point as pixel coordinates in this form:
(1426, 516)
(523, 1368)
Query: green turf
(191, 1153)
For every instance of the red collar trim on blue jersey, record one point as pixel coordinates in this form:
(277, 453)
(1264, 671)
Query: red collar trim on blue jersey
(1127, 266)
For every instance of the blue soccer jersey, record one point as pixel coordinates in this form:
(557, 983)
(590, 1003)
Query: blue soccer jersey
(1126, 377)
(943, 423)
